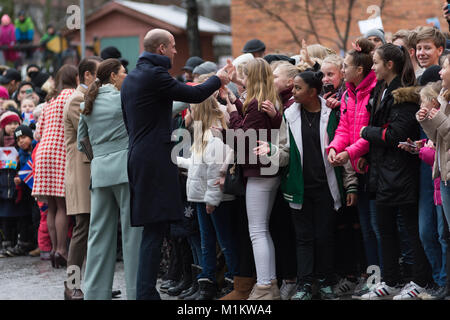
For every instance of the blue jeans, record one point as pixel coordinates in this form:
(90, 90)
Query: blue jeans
(149, 259)
(445, 196)
(194, 242)
(217, 226)
(369, 225)
(430, 223)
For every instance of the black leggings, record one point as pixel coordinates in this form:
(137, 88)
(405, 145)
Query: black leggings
(13, 226)
(315, 226)
(386, 219)
(246, 260)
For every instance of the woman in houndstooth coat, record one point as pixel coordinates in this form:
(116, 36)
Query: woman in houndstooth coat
(50, 162)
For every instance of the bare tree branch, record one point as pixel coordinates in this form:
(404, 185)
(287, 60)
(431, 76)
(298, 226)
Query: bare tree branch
(259, 5)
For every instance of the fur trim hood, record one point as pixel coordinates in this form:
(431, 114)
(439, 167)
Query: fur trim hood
(407, 94)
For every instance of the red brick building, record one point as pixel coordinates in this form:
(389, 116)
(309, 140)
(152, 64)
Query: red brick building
(276, 22)
(124, 24)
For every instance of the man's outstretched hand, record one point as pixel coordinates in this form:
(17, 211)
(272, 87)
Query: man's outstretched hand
(224, 73)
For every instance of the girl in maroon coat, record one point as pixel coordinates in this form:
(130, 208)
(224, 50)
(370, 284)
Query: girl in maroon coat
(261, 188)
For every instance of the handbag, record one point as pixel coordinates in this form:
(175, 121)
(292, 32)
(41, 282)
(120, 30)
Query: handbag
(87, 148)
(234, 180)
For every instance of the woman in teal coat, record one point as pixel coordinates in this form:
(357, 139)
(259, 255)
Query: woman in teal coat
(102, 122)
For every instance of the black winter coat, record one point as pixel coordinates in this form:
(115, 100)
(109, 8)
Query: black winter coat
(147, 95)
(393, 173)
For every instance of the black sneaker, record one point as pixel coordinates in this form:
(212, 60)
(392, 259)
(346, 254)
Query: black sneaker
(20, 249)
(304, 292)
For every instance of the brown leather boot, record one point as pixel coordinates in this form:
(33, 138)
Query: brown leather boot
(242, 288)
(75, 294)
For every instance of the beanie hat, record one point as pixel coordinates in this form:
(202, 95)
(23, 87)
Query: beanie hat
(8, 117)
(278, 57)
(4, 93)
(431, 74)
(376, 33)
(243, 58)
(254, 45)
(23, 130)
(110, 52)
(205, 68)
(193, 62)
(6, 20)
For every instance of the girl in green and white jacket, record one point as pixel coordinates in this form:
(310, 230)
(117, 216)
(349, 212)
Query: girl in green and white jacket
(313, 188)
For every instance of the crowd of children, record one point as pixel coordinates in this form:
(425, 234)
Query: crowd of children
(347, 172)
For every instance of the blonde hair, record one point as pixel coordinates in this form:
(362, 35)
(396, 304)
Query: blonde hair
(319, 51)
(334, 59)
(430, 91)
(260, 83)
(208, 114)
(49, 87)
(288, 69)
(203, 77)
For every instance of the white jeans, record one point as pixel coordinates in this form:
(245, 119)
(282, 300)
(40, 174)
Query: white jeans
(259, 197)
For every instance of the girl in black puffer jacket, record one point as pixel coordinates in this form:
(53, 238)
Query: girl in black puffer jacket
(394, 174)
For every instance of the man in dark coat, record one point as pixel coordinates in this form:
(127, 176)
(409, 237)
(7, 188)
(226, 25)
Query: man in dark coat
(147, 95)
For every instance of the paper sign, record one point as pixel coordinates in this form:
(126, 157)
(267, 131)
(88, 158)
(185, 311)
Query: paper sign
(8, 158)
(367, 25)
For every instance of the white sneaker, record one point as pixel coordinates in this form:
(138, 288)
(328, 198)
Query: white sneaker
(381, 292)
(410, 291)
(344, 287)
(287, 290)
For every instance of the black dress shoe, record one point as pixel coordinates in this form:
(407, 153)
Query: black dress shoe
(116, 293)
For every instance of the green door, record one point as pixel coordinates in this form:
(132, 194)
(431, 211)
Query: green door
(128, 47)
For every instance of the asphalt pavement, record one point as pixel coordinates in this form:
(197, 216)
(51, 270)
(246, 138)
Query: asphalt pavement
(30, 278)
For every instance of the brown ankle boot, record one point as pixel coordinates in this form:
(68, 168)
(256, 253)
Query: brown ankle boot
(242, 288)
(275, 290)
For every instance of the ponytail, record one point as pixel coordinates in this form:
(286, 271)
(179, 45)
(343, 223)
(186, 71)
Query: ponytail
(90, 97)
(105, 68)
(403, 67)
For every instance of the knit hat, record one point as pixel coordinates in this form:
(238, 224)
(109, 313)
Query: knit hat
(243, 58)
(4, 93)
(278, 57)
(8, 117)
(254, 45)
(376, 33)
(23, 130)
(431, 74)
(192, 62)
(205, 68)
(6, 20)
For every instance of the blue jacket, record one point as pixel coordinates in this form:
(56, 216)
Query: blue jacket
(147, 95)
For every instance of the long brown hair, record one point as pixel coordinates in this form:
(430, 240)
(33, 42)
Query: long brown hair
(66, 78)
(260, 84)
(105, 68)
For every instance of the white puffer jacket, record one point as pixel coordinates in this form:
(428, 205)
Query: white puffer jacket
(204, 171)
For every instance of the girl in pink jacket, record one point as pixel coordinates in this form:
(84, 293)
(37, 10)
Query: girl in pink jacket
(347, 145)
(360, 82)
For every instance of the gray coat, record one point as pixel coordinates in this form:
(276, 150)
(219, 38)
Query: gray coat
(108, 137)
